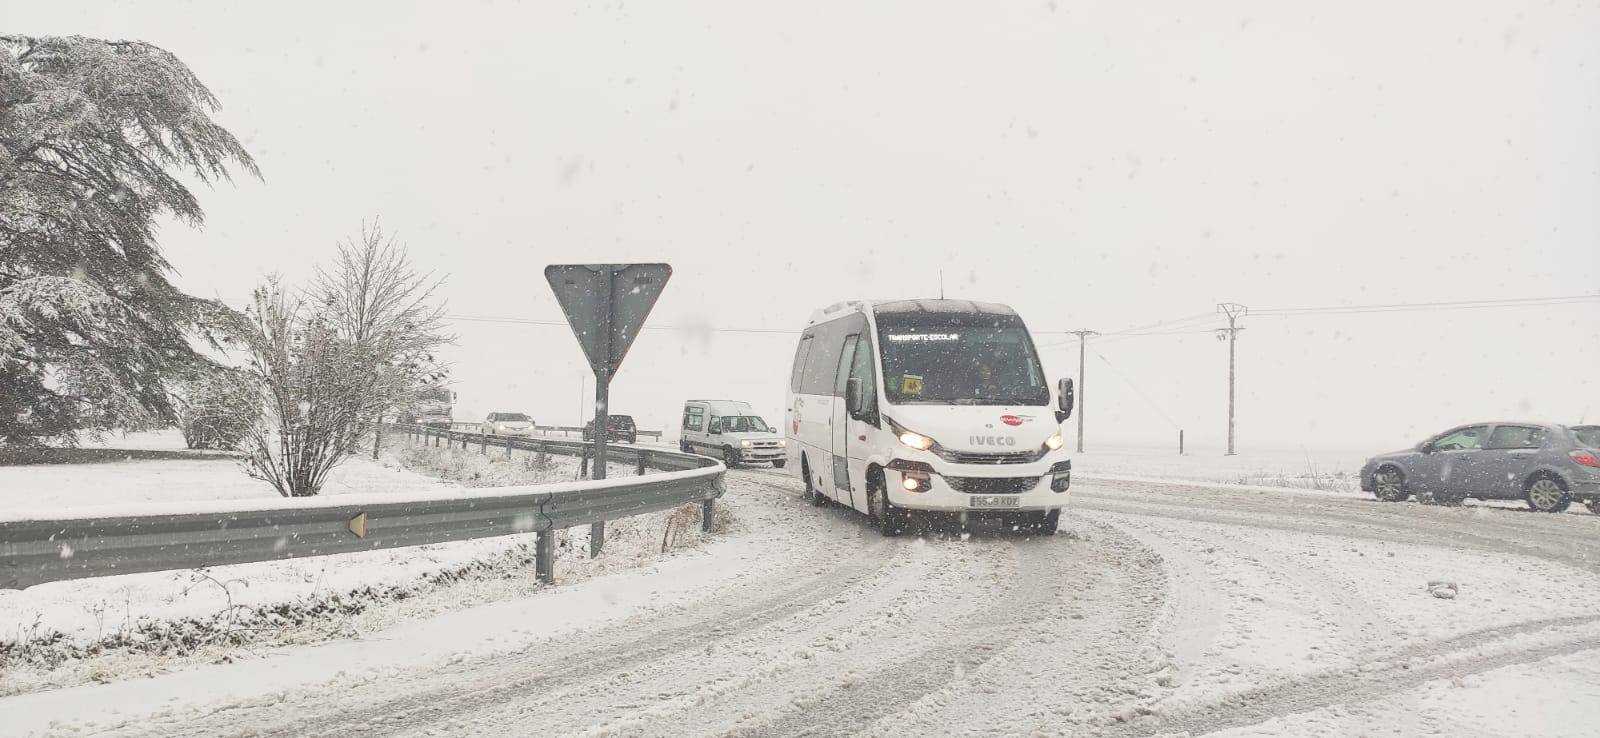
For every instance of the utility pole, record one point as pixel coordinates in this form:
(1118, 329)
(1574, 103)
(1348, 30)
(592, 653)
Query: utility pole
(1082, 395)
(1234, 311)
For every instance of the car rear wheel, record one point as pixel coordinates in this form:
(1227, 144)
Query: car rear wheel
(1547, 494)
(1390, 485)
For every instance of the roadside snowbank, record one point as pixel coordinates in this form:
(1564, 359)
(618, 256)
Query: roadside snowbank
(112, 627)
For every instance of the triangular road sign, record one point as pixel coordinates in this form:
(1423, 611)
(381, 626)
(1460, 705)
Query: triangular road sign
(606, 304)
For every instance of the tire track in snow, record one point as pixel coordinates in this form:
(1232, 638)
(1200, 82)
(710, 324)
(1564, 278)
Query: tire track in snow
(1403, 669)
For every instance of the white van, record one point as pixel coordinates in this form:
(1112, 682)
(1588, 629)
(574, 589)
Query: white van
(730, 430)
(928, 405)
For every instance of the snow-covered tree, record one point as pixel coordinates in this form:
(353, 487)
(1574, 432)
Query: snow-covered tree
(217, 408)
(377, 299)
(329, 365)
(93, 137)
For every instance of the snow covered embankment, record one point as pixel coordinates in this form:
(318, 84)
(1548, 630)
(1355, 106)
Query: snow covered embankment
(114, 627)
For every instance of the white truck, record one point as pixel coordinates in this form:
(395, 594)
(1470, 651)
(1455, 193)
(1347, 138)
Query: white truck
(731, 431)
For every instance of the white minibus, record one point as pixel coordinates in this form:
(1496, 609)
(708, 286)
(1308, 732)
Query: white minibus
(927, 406)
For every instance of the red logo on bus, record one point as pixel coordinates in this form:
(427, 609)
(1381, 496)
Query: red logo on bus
(1011, 420)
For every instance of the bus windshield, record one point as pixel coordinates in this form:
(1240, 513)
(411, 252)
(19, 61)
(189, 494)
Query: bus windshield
(959, 359)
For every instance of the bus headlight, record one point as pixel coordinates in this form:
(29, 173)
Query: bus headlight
(1054, 442)
(916, 440)
(909, 437)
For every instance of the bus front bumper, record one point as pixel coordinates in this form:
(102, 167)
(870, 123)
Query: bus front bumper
(1038, 486)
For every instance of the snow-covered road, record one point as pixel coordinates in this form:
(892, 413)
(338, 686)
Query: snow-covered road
(1160, 609)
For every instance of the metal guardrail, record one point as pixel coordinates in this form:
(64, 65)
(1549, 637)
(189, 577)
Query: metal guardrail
(36, 551)
(564, 430)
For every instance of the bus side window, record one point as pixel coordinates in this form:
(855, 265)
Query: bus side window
(800, 361)
(861, 368)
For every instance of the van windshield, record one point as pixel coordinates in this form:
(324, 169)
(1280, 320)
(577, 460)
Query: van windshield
(744, 424)
(959, 359)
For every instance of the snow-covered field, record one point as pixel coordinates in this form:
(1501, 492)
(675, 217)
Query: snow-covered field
(1161, 609)
(1292, 468)
(60, 487)
(115, 627)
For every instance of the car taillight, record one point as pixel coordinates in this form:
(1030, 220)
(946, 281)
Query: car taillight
(1586, 458)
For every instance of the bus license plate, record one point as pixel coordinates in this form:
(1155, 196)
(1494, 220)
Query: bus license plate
(993, 501)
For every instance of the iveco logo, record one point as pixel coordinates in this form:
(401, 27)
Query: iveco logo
(993, 441)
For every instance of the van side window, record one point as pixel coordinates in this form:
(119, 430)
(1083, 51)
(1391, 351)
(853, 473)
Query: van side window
(822, 361)
(847, 359)
(861, 368)
(800, 361)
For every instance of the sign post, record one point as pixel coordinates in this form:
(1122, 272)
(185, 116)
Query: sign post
(606, 305)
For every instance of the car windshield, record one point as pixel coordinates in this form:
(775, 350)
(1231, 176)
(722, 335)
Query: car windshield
(511, 418)
(959, 359)
(1588, 435)
(744, 424)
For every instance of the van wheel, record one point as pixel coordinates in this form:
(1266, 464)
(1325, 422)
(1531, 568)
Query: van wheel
(779, 463)
(730, 457)
(812, 495)
(891, 520)
(1547, 494)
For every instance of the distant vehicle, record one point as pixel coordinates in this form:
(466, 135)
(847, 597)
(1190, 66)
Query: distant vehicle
(928, 405)
(618, 428)
(1548, 466)
(508, 424)
(732, 431)
(433, 407)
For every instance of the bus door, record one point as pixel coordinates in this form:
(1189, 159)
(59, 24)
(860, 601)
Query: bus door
(840, 425)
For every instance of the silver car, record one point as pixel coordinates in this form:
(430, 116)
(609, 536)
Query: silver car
(507, 424)
(1549, 466)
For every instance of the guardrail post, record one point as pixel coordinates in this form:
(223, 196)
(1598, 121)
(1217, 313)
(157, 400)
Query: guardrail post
(707, 511)
(508, 449)
(583, 465)
(643, 455)
(544, 556)
(597, 538)
(483, 443)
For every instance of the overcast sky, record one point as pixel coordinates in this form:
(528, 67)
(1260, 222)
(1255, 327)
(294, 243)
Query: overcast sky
(1097, 167)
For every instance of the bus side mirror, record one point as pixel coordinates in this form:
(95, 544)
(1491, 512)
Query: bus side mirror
(852, 397)
(1064, 399)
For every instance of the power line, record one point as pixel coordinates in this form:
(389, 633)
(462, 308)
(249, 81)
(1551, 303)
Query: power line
(1426, 306)
(1135, 388)
(648, 327)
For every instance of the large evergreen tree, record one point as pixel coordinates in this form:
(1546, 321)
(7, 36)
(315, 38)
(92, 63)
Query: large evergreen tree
(94, 136)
